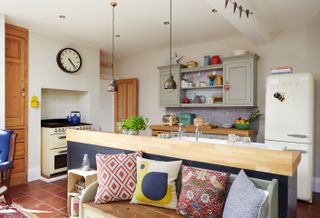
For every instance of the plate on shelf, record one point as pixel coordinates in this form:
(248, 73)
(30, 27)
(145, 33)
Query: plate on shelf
(240, 52)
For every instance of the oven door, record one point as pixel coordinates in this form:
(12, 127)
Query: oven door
(58, 160)
(58, 140)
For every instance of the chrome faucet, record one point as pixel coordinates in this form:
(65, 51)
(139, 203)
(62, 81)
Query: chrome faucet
(197, 133)
(180, 134)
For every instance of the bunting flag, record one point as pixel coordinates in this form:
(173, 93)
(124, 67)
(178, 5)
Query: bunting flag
(239, 7)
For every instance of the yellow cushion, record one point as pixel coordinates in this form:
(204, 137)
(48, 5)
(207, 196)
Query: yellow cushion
(156, 183)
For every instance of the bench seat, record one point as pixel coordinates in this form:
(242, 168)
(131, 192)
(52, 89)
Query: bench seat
(125, 209)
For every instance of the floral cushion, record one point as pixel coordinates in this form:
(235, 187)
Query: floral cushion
(117, 176)
(203, 193)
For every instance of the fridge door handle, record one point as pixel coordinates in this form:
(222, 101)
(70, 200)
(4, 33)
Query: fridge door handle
(302, 151)
(302, 136)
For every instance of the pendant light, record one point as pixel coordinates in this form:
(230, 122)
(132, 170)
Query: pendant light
(113, 88)
(170, 84)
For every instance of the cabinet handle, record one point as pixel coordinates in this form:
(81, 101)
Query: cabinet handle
(23, 93)
(227, 86)
(302, 136)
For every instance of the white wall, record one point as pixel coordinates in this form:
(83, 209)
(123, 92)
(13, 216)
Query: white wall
(106, 112)
(2, 71)
(44, 73)
(57, 103)
(299, 48)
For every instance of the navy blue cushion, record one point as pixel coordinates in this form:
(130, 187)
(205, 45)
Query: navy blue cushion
(5, 136)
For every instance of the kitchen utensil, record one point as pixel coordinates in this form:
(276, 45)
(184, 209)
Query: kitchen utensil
(232, 138)
(186, 118)
(215, 59)
(169, 120)
(74, 118)
(219, 80)
(191, 64)
(199, 99)
(227, 125)
(198, 121)
(186, 100)
(203, 84)
(206, 60)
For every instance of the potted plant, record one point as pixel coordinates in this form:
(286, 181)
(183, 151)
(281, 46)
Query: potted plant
(133, 125)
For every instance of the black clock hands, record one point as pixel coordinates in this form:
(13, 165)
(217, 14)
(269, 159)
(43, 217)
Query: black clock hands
(71, 63)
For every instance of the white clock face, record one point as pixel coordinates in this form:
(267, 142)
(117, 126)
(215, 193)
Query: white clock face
(69, 60)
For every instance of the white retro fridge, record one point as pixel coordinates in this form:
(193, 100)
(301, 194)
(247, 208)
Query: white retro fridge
(289, 121)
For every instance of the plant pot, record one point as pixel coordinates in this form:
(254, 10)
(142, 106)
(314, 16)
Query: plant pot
(124, 131)
(133, 132)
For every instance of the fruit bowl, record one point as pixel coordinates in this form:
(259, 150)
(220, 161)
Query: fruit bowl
(242, 126)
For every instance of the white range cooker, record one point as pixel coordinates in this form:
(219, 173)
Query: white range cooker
(54, 144)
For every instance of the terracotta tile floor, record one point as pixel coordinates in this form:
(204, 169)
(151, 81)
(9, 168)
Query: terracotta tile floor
(51, 197)
(46, 199)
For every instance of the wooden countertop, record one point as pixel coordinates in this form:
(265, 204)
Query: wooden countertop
(206, 130)
(269, 161)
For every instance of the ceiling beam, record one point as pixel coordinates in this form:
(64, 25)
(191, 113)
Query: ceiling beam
(252, 28)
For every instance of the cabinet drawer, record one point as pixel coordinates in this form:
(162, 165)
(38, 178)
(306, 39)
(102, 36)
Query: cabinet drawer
(88, 213)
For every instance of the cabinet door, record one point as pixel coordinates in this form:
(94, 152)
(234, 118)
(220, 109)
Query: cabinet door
(169, 98)
(238, 76)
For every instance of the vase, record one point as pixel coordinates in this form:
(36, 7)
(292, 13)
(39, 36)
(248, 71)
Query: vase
(211, 82)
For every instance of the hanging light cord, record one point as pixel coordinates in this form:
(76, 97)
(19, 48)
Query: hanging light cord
(170, 37)
(113, 5)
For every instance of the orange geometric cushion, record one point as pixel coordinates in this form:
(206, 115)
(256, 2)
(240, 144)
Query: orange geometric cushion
(117, 176)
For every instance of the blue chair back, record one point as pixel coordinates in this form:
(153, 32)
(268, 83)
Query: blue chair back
(5, 136)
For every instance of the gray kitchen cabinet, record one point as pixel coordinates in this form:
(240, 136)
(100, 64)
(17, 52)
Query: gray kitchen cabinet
(169, 98)
(240, 73)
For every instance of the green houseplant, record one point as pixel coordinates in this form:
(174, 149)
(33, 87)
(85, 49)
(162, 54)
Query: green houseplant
(133, 125)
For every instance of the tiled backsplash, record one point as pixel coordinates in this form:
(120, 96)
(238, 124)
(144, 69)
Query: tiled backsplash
(218, 115)
(59, 103)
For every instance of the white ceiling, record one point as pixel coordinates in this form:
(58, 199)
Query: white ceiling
(140, 22)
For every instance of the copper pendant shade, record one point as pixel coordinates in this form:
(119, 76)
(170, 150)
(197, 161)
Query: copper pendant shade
(113, 88)
(170, 83)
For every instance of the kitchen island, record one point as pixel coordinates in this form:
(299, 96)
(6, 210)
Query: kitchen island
(257, 163)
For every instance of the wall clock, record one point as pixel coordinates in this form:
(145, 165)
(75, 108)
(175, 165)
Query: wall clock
(69, 60)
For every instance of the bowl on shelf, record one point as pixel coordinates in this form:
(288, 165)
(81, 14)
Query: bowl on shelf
(242, 126)
(227, 125)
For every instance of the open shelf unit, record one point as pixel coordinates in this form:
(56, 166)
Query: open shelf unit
(198, 84)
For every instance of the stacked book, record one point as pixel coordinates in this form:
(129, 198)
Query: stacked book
(281, 70)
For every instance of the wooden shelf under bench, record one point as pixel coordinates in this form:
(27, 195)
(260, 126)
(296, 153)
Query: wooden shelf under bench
(156, 129)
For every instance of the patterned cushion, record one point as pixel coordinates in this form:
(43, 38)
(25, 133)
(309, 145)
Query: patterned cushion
(245, 200)
(116, 176)
(203, 192)
(156, 183)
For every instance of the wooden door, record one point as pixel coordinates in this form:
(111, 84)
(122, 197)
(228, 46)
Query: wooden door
(125, 100)
(16, 103)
